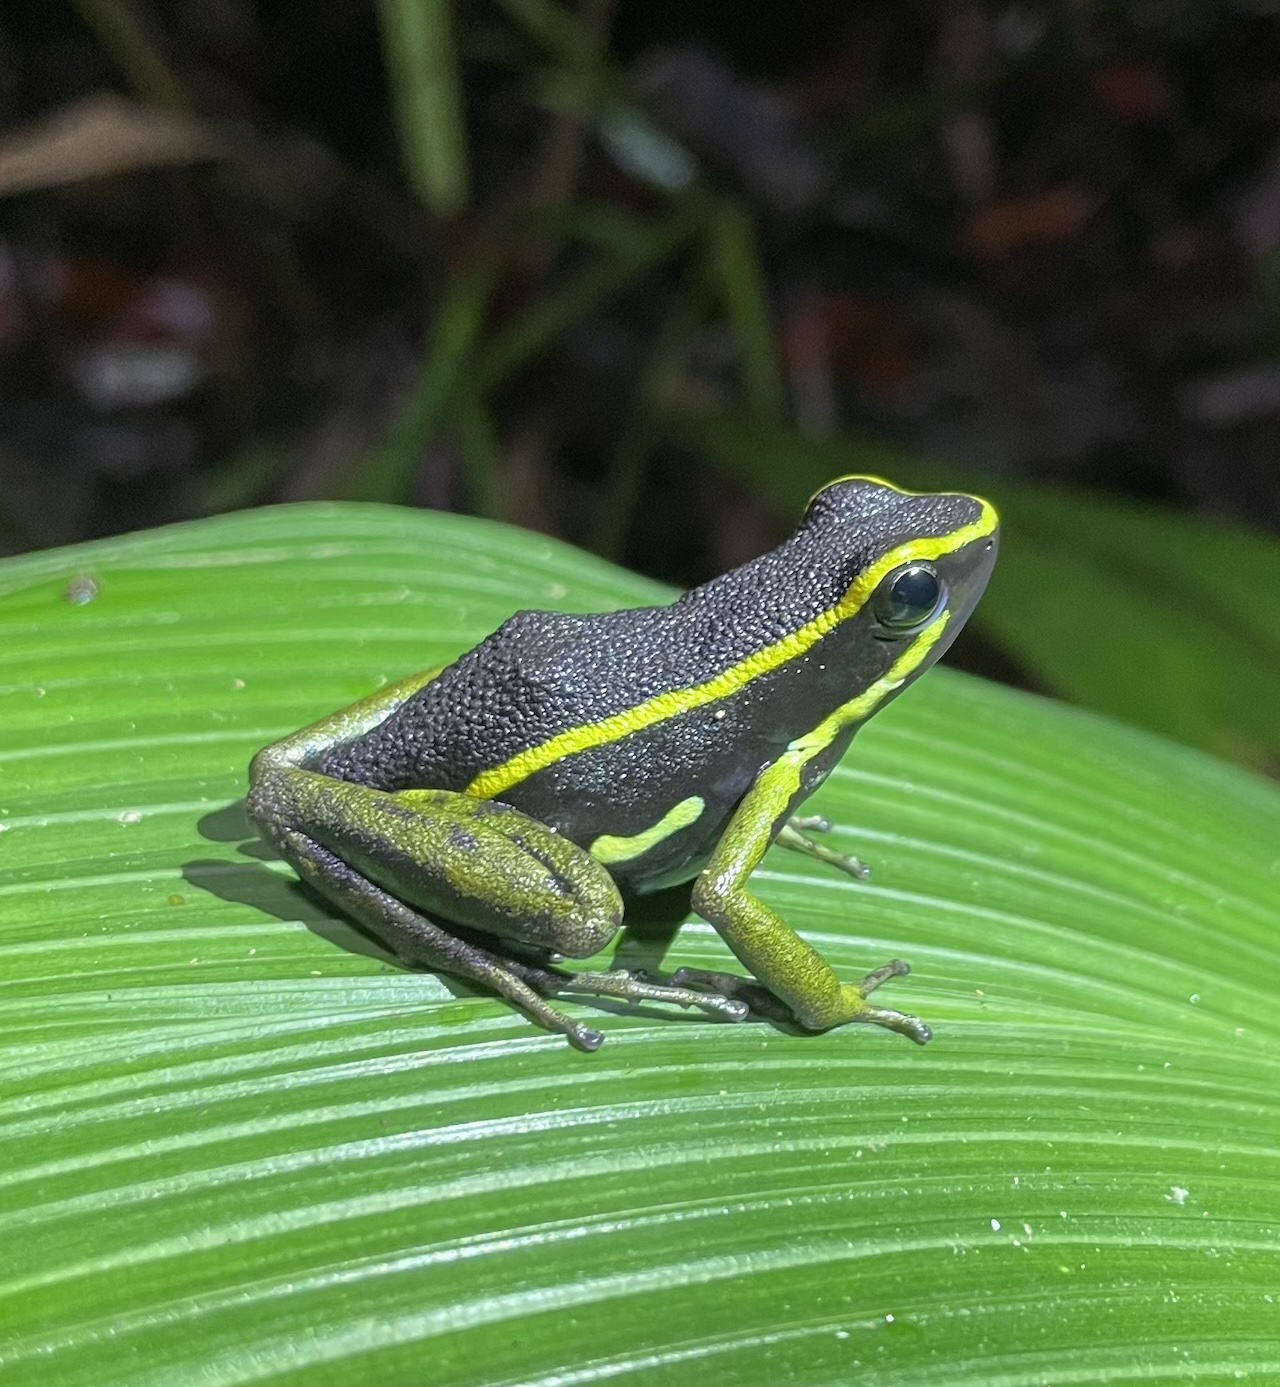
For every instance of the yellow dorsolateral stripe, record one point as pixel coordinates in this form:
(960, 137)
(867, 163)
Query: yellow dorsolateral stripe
(859, 709)
(779, 783)
(611, 848)
(666, 705)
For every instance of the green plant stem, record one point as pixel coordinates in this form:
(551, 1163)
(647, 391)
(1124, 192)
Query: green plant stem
(599, 281)
(645, 425)
(735, 256)
(426, 91)
(478, 445)
(388, 473)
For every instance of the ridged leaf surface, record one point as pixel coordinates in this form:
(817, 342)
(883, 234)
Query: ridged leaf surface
(237, 1146)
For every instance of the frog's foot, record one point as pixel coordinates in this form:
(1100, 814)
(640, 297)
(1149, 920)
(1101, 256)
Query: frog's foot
(627, 987)
(791, 837)
(753, 995)
(852, 1007)
(854, 997)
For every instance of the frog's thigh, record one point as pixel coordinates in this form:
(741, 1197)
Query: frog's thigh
(418, 942)
(476, 862)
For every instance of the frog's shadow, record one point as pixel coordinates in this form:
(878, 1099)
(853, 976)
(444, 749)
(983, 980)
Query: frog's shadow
(652, 921)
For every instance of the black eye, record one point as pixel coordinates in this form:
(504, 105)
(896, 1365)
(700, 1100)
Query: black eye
(909, 597)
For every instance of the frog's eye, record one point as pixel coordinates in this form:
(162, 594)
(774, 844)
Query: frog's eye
(908, 597)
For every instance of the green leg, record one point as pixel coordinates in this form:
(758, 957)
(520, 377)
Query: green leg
(761, 1002)
(777, 958)
(791, 838)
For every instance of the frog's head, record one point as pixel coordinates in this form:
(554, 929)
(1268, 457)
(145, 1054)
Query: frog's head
(909, 568)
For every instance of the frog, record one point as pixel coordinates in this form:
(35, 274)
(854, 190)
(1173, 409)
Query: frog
(494, 818)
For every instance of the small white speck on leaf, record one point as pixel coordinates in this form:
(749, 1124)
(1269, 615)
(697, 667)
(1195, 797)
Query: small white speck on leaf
(82, 589)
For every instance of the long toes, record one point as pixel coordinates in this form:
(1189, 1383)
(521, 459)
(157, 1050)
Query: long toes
(895, 968)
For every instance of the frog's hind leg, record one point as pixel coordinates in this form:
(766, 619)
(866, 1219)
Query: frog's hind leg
(414, 939)
(419, 943)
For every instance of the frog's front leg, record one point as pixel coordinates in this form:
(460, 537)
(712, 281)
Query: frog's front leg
(782, 964)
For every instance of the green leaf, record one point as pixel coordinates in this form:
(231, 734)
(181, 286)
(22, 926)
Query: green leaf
(1147, 615)
(234, 1152)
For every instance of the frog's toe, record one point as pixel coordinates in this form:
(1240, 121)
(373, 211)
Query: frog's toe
(584, 1037)
(622, 984)
(861, 1011)
(895, 968)
(752, 996)
(635, 986)
(910, 1026)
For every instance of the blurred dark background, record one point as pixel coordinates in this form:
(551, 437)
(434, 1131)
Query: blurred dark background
(496, 257)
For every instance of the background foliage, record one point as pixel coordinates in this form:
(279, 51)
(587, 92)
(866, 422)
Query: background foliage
(470, 254)
(545, 262)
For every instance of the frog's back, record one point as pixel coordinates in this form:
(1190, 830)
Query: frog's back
(541, 676)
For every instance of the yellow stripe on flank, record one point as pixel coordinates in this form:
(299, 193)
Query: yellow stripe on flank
(780, 781)
(790, 647)
(859, 709)
(608, 848)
